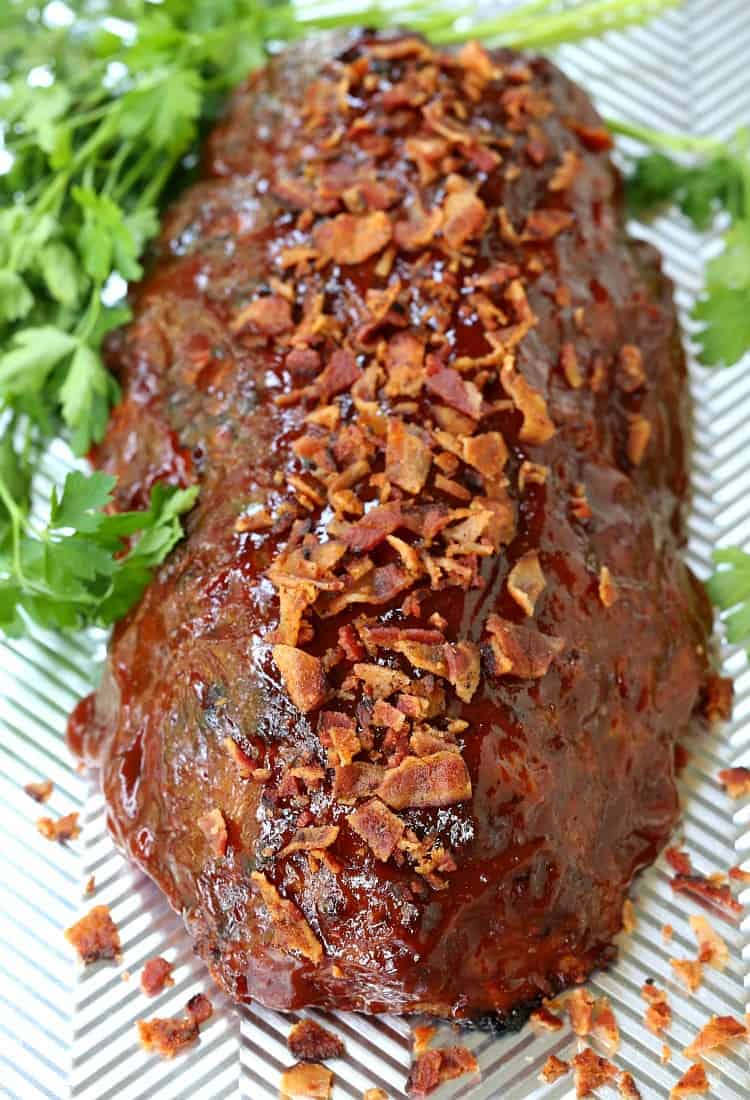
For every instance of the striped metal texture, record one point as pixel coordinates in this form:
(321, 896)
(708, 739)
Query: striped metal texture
(69, 1034)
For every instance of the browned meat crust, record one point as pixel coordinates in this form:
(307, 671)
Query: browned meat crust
(394, 727)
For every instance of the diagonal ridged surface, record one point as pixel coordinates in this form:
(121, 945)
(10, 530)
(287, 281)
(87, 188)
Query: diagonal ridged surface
(71, 1033)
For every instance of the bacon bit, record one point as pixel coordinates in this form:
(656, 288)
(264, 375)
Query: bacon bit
(627, 1086)
(156, 974)
(441, 779)
(522, 651)
(717, 704)
(553, 1069)
(246, 766)
(374, 1094)
(199, 1008)
(595, 138)
(354, 781)
(340, 374)
(605, 1026)
(95, 936)
(451, 388)
(407, 458)
(709, 893)
(537, 426)
(719, 1031)
(352, 239)
(463, 668)
(591, 1071)
(168, 1037)
(306, 1081)
(639, 433)
(666, 1054)
(658, 1015)
(546, 1019)
(312, 838)
(369, 531)
(378, 827)
(431, 1068)
(531, 473)
(570, 367)
(214, 828)
(381, 682)
(607, 589)
(270, 316)
(580, 1008)
(563, 176)
(259, 520)
(711, 947)
(41, 791)
(543, 225)
(526, 581)
(739, 874)
(735, 781)
(692, 1083)
(464, 214)
(419, 228)
(689, 971)
(628, 916)
(291, 930)
(65, 828)
(303, 676)
(630, 373)
(308, 1041)
(486, 453)
(679, 861)
(667, 931)
(423, 1036)
(90, 886)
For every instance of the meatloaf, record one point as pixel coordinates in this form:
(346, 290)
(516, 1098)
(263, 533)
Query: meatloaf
(394, 727)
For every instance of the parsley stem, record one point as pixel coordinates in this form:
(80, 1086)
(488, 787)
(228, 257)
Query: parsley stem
(677, 143)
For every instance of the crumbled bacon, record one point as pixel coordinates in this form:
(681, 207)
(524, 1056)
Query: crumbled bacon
(303, 676)
(64, 828)
(378, 827)
(692, 1083)
(214, 828)
(455, 391)
(374, 1094)
(596, 138)
(306, 1081)
(563, 176)
(543, 225)
(95, 936)
(607, 587)
(270, 316)
(464, 214)
(526, 581)
(156, 974)
(246, 766)
(199, 1008)
(423, 1035)
(487, 453)
(372, 529)
(546, 1019)
(570, 366)
(580, 1007)
(658, 1015)
(639, 433)
(719, 1031)
(290, 929)
(679, 861)
(168, 1037)
(711, 947)
(354, 781)
(41, 791)
(351, 238)
(553, 1069)
(312, 838)
(463, 668)
(308, 1041)
(689, 971)
(739, 874)
(628, 916)
(591, 1072)
(441, 779)
(630, 373)
(604, 1026)
(714, 895)
(380, 682)
(627, 1087)
(537, 426)
(407, 458)
(433, 1067)
(419, 228)
(517, 650)
(735, 781)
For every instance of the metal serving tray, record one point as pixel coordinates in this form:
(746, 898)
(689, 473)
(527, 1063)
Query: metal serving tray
(70, 1033)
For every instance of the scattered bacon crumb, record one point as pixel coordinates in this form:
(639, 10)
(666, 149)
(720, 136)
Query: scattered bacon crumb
(423, 1035)
(199, 1008)
(711, 947)
(168, 1037)
(374, 1094)
(628, 916)
(627, 1086)
(719, 1031)
(378, 827)
(65, 828)
(516, 650)
(580, 1008)
(689, 971)
(713, 895)
(565, 173)
(306, 1081)
(351, 239)
(680, 861)
(303, 675)
(591, 1072)
(156, 974)
(658, 1015)
(667, 931)
(90, 886)
(291, 930)
(537, 426)
(735, 781)
(214, 828)
(739, 874)
(666, 1054)
(309, 1042)
(41, 791)
(607, 588)
(553, 1069)
(440, 779)
(526, 581)
(692, 1083)
(639, 434)
(604, 1026)
(431, 1068)
(546, 1019)
(630, 373)
(717, 705)
(95, 936)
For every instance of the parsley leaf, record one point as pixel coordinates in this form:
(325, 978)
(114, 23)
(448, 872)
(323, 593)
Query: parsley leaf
(729, 588)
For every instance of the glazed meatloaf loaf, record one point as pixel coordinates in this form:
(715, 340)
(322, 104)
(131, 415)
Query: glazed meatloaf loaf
(394, 727)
